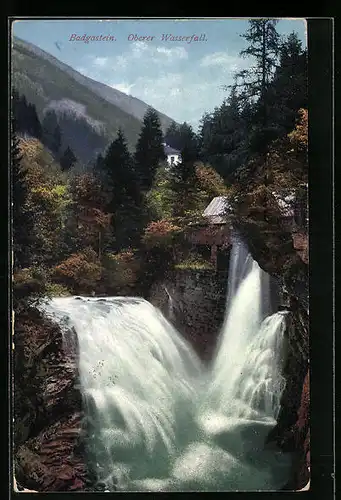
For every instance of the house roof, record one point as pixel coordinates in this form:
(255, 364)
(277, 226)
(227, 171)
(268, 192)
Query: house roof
(171, 151)
(216, 210)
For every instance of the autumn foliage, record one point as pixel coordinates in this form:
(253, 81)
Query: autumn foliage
(80, 272)
(299, 136)
(160, 233)
(209, 180)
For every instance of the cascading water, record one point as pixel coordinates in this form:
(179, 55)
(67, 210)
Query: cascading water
(160, 420)
(171, 314)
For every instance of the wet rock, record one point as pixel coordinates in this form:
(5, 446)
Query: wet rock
(48, 450)
(195, 306)
(282, 251)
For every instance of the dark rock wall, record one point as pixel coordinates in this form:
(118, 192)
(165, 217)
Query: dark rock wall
(198, 305)
(48, 454)
(283, 253)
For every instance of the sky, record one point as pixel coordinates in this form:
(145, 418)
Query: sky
(181, 78)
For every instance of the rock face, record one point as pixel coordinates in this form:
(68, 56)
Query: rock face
(48, 454)
(194, 301)
(283, 253)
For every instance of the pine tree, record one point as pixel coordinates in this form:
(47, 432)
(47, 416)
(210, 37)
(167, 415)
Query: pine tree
(99, 162)
(22, 220)
(289, 89)
(263, 47)
(25, 115)
(254, 82)
(224, 134)
(188, 143)
(125, 201)
(172, 136)
(68, 159)
(182, 176)
(34, 127)
(149, 149)
(51, 132)
(22, 114)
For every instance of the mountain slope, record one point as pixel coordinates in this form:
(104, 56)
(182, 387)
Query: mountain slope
(49, 83)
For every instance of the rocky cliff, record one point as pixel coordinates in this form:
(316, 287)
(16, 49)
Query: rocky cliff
(48, 451)
(281, 249)
(194, 301)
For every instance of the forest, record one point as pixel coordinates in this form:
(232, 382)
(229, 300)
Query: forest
(111, 226)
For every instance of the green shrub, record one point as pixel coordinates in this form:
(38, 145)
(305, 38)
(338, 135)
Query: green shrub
(81, 272)
(57, 290)
(120, 271)
(194, 262)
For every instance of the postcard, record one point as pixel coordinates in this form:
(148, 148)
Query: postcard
(160, 255)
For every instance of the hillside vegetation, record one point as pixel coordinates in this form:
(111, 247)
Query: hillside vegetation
(42, 79)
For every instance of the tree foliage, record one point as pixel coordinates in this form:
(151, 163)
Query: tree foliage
(114, 223)
(68, 159)
(25, 116)
(52, 136)
(125, 201)
(80, 272)
(149, 150)
(262, 105)
(22, 216)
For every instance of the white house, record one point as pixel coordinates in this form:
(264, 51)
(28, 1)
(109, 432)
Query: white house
(173, 155)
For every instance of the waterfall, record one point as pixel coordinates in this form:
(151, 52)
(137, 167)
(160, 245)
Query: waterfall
(171, 313)
(157, 419)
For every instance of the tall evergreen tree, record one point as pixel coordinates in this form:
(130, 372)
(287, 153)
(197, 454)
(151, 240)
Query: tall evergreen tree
(125, 201)
(289, 89)
(51, 132)
(149, 149)
(188, 143)
(21, 116)
(34, 127)
(182, 176)
(263, 45)
(224, 135)
(172, 136)
(25, 115)
(22, 220)
(68, 159)
(99, 162)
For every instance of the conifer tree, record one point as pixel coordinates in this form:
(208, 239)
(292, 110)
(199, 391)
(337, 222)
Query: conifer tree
(149, 149)
(182, 176)
(68, 159)
(172, 136)
(263, 46)
(188, 144)
(224, 134)
(34, 127)
(25, 115)
(289, 90)
(51, 132)
(98, 163)
(125, 201)
(22, 220)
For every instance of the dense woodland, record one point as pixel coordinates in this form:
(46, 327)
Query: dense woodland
(112, 226)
